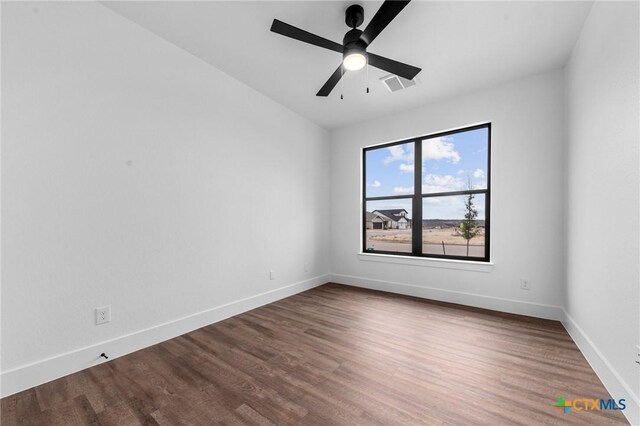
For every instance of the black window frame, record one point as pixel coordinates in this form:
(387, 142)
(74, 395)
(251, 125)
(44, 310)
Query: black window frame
(417, 197)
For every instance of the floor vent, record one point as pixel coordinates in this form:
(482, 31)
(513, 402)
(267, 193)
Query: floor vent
(394, 83)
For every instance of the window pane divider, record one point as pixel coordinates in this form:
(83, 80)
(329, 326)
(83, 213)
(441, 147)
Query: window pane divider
(389, 197)
(416, 229)
(445, 194)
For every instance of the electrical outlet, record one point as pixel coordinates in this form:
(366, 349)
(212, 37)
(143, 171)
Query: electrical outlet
(525, 283)
(272, 275)
(306, 267)
(638, 355)
(103, 315)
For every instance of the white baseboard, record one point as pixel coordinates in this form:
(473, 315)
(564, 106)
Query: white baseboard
(470, 299)
(28, 376)
(615, 384)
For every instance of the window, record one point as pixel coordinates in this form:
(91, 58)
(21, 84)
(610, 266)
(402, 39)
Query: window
(437, 210)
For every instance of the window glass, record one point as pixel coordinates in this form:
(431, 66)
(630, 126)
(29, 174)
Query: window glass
(454, 225)
(388, 225)
(455, 162)
(390, 170)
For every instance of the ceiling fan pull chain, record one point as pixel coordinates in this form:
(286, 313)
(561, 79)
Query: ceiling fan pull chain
(342, 82)
(367, 65)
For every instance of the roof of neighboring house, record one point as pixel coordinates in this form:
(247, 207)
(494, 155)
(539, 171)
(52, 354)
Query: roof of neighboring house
(392, 214)
(371, 217)
(381, 216)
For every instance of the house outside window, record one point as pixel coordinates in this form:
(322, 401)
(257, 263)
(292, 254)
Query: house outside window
(439, 209)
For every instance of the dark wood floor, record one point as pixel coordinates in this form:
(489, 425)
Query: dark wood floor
(334, 355)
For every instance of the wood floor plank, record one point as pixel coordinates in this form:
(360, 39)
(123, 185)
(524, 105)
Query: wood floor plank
(334, 355)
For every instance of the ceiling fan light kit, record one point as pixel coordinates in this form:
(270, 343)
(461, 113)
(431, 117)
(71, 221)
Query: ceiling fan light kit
(355, 43)
(354, 61)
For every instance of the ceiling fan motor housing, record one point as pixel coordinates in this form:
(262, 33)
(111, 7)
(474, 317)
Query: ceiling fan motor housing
(353, 43)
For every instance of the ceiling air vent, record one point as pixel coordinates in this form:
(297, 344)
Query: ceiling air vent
(395, 83)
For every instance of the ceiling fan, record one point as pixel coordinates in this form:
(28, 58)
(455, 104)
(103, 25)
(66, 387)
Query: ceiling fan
(355, 43)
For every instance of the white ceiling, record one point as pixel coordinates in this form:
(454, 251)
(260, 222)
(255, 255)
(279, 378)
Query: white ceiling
(460, 46)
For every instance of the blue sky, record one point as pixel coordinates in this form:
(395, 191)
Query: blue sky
(447, 165)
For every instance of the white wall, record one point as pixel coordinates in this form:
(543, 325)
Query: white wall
(137, 176)
(527, 119)
(603, 252)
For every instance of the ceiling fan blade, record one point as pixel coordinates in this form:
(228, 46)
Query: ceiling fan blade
(394, 67)
(387, 12)
(331, 83)
(305, 36)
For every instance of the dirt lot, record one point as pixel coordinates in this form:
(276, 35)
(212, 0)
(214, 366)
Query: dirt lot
(399, 240)
(429, 236)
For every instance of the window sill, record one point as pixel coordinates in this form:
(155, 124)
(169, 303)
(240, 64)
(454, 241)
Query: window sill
(462, 265)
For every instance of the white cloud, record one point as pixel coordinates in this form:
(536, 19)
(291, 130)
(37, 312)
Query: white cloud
(403, 190)
(442, 183)
(439, 149)
(398, 153)
(406, 168)
(478, 173)
(451, 207)
(481, 184)
(445, 201)
(396, 150)
(376, 184)
(460, 172)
